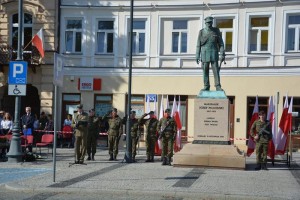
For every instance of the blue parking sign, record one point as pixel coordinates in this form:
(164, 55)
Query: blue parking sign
(17, 72)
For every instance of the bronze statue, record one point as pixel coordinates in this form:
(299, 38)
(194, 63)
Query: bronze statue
(209, 44)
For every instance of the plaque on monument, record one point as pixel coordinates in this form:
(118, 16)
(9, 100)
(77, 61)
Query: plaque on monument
(211, 121)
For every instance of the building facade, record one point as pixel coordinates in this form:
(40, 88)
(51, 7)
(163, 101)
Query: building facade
(261, 40)
(37, 14)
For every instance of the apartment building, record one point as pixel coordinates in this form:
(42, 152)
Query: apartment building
(261, 40)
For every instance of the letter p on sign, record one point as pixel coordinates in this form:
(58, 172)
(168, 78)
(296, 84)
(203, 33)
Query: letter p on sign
(17, 69)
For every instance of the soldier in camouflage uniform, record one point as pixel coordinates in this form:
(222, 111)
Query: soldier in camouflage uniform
(262, 133)
(151, 137)
(134, 127)
(209, 44)
(167, 128)
(115, 132)
(93, 132)
(79, 123)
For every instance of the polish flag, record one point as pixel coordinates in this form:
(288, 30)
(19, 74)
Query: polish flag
(271, 118)
(284, 126)
(251, 143)
(38, 42)
(175, 114)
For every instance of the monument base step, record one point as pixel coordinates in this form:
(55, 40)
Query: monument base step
(208, 155)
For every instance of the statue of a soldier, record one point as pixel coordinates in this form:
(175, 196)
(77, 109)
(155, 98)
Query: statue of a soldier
(209, 44)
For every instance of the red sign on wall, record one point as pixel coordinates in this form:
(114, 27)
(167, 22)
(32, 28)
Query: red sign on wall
(89, 84)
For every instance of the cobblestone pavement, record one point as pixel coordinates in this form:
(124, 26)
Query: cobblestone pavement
(103, 179)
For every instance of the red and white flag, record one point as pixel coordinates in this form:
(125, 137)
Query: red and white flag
(38, 42)
(251, 143)
(176, 116)
(284, 126)
(271, 117)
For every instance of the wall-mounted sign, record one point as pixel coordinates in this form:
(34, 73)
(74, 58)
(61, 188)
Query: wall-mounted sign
(89, 83)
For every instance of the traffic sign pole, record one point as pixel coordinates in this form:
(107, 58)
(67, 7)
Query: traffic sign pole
(15, 151)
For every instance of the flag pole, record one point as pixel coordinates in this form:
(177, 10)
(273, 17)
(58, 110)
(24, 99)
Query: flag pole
(28, 44)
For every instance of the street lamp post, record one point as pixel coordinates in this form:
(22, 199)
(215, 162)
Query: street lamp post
(128, 155)
(15, 152)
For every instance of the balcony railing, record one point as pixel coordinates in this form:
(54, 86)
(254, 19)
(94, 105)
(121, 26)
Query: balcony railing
(7, 54)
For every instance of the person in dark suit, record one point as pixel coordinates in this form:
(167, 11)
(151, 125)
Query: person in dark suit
(27, 120)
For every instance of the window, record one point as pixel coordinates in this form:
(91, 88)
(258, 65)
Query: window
(105, 37)
(259, 34)
(293, 33)
(139, 36)
(226, 29)
(179, 36)
(73, 36)
(27, 35)
(103, 103)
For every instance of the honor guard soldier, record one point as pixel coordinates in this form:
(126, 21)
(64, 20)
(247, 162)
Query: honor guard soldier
(209, 44)
(151, 137)
(134, 127)
(262, 133)
(167, 129)
(79, 124)
(93, 132)
(115, 132)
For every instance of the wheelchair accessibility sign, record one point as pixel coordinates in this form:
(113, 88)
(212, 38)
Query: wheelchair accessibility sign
(17, 90)
(17, 73)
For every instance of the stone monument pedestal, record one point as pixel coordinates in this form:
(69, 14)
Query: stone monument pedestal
(210, 155)
(211, 146)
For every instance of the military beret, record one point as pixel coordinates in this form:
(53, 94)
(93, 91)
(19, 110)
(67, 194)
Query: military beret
(167, 110)
(208, 19)
(151, 113)
(80, 106)
(132, 112)
(114, 110)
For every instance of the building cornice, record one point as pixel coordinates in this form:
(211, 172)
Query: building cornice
(230, 72)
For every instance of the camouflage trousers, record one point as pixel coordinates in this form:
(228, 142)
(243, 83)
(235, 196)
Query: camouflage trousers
(167, 146)
(150, 145)
(91, 143)
(261, 151)
(80, 147)
(134, 144)
(113, 145)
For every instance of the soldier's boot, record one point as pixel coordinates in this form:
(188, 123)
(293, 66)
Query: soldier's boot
(169, 161)
(151, 158)
(93, 157)
(148, 159)
(89, 157)
(111, 157)
(264, 166)
(133, 159)
(164, 161)
(115, 157)
(258, 167)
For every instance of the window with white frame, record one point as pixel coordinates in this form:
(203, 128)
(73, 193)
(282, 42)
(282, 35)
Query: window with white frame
(179, 36)
(139, 36)
(105, 37)
(73, 36)
(226, 28)
(293, 33)
(27, 36)
(259, 34)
